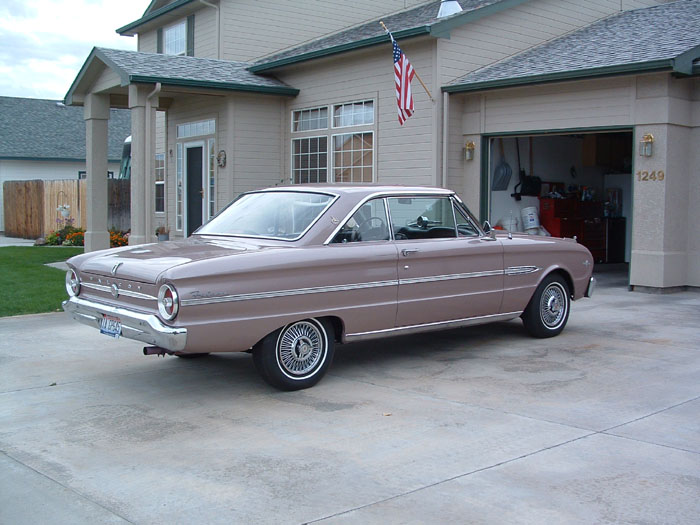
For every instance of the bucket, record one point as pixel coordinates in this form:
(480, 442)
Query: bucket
(530, 218)
(509, 224)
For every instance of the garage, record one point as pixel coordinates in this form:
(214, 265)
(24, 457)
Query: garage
(565, 185)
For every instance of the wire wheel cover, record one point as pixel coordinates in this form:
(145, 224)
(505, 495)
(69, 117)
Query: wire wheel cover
(300, 348)
(553, 305)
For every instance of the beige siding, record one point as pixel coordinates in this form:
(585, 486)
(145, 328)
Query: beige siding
(592, 103)
(206, 44)
(507, 33)
(148, 42)
(254, 29)
(257, 153)
(108, 79)
(403, 154)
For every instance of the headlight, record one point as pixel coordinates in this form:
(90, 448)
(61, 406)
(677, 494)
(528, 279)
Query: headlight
(168, 302)
(72, 283)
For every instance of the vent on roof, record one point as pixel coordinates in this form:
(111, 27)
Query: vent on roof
(449, 8)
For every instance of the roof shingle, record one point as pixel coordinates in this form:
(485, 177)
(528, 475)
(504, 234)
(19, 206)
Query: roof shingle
(633, 40)
(48, 130)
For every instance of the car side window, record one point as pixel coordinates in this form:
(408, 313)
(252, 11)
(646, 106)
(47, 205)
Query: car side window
(369, 223)
(422, 217)
(465, 226)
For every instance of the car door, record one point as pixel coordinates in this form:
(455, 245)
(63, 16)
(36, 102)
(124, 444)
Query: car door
(363, 260)
(448, 270)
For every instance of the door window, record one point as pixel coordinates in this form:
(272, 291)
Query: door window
(422, 217)
(369, 223)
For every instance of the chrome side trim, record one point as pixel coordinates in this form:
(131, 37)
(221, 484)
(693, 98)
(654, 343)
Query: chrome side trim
(450, 277)
(146, 328)
(286, 293)
(521, 270)
(414, 329)
(122, 291)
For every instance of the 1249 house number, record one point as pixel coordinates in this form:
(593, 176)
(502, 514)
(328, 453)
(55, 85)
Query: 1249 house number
(645, 176)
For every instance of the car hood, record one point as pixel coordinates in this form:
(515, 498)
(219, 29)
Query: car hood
(146, 262)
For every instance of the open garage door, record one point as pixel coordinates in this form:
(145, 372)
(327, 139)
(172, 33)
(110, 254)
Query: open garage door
(565, 185)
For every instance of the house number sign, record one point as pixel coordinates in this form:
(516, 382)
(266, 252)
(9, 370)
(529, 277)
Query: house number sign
(650, 176)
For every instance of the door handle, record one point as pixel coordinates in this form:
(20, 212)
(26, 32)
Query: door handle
(201, 192)
(406, 252)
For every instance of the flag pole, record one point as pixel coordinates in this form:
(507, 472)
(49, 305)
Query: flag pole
(414, 70)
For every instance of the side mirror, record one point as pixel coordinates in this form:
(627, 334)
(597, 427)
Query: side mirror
(489, 231)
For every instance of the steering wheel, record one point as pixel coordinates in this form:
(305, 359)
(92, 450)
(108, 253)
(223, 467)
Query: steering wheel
(362, 226)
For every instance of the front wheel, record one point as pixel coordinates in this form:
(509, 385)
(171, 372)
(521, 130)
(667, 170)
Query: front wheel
(296, 356)
(548, 311)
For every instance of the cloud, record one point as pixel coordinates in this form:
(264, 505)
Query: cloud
(44, 43)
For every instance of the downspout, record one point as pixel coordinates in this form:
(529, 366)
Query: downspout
(445, 136)
(218, 26)
(150, 156)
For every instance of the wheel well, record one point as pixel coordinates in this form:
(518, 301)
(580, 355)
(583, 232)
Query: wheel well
(338, 327)
(565, 275)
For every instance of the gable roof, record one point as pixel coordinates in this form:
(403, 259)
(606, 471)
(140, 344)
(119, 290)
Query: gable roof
(421, 20)
(664, 37)
(137, 67)
(39, 129)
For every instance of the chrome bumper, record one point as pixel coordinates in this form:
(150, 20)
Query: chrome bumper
(591, 288)
(141, 327)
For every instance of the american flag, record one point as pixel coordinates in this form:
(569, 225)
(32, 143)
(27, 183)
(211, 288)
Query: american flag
(403, 74)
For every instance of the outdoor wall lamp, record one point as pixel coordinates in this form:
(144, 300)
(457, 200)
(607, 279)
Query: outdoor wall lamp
(469, 148)
(646, 145)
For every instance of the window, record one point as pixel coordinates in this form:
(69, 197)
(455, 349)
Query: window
(353, 157)
(369, 223)
(160, 182)
(422, 217)
(310, 119)
(353, 114)
(352, 153)
(310, 160)
(82, 174)
(465, 225)
(175, 39)
(196, 129)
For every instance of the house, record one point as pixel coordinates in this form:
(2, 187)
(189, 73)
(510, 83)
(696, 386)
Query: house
(600, 100)
(45, 139)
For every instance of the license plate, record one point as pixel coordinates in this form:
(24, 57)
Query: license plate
(111, 326)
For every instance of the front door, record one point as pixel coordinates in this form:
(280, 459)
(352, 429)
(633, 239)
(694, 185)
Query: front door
(195, 190)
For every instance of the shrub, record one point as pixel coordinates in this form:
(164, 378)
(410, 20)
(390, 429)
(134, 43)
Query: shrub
(118, 238)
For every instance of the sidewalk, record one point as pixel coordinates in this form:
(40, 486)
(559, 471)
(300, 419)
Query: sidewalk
(13, 241)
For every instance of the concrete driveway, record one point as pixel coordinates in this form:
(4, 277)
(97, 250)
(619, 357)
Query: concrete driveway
(481, 425)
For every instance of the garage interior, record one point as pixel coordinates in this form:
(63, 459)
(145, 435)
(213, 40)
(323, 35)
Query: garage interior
(579, 184)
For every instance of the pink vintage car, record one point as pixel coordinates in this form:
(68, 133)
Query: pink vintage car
(288, 272)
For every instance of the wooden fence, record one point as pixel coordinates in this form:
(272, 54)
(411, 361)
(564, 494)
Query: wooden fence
(31, 207)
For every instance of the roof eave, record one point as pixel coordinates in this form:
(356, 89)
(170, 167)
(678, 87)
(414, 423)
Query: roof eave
(128, 30)
(343, 48)
(623, 69)
(95, 53)
(229, 86)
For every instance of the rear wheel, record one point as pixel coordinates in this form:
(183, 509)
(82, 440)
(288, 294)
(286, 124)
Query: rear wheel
(296, 356)
(548, 311)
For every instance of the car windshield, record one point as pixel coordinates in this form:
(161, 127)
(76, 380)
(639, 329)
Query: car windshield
(276, 214)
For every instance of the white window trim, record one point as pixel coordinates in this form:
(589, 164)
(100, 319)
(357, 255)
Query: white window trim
(329, 175)
(205, 156)
(374, 152)
(364, 100)
(291, 119)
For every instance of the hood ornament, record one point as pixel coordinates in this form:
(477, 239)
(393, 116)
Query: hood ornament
(116, 267)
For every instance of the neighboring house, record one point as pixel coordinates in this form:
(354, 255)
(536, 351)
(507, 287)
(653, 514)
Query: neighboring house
(45, 139)
(232, 95)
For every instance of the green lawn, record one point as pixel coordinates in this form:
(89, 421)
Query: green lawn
(29, 287)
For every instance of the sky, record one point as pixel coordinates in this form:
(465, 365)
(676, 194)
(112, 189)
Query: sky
(44, 43)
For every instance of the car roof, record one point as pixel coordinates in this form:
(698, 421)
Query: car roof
(363, 190)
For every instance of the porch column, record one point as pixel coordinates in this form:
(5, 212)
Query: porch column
(139, 136)
(96, 118)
